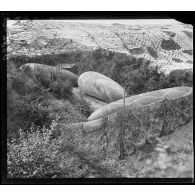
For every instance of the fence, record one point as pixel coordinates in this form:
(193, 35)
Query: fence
(137, 124)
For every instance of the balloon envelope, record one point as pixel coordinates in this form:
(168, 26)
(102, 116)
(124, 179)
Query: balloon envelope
(50, 72)
(140, 100)
(100, 86)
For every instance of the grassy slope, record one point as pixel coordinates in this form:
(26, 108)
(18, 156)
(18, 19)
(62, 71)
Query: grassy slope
(176, 162)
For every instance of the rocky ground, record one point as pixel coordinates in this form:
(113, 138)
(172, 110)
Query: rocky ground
(168, 46)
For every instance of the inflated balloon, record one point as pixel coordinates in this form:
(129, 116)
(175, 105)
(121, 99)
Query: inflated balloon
(50, 72)
(140, 100)
(100, 86)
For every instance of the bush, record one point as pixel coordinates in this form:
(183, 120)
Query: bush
(43, 78)
(152, 52)
(35, 155)
(169, 45)
(180, 77)
(21, 82)
(61, 89)
(25, 111)
(190, 51)
(132, 73)
(119, 67)
(82, 105)
(166, 163)
(34, 113)
(23, 102)
(189, 34)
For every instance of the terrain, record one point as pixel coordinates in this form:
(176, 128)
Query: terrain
(45, 133)
(168, 46)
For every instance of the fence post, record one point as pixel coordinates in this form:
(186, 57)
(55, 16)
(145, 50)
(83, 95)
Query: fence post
(164, 125)
(52, 80)
(121, 133)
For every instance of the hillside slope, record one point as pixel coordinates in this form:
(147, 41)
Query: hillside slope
(167, 46)
(172, 158)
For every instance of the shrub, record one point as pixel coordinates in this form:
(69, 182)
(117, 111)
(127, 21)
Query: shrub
(189, 51)
(43, 77)
(34, 113)
(166, 163)
(180, 77)
(132, 73)
(81, 104)
(21, 82)
(189, 34)
(152, 52)
(170, 33)
(22, 93)
(24, 112)
(61, 89)
(35, 155)
(139, 50)
(177, 60)
(169, 45)
(18, 85)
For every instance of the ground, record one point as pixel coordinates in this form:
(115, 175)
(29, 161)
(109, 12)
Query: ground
(172, 158)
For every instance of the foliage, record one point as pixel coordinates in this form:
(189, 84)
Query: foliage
(34, 113)
(190, 52)
(44, 79)
(27, 99)
(61, 89)
(137, 51)
(189, 34)
(81, 105)
(38, 154)
(25, 111)
(170, 33)
(35, 155)
(132, 73)
(165, 163)
(177, 60)
(152, 52)
(169, 44)
(180, 78)
(135, 74)
(144, 79)
(23, 101)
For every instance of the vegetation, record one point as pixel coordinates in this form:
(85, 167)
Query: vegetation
(61, 89)
(38, 154)
(132, 73)
(152, 52)
(33, 104)
(137, 51)
(189, 34)
(81, 105)
(177, 60)
(190, 52)
(30, 102)
(170, 33)
(169, 44)
(23, 98)
(35, 155)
